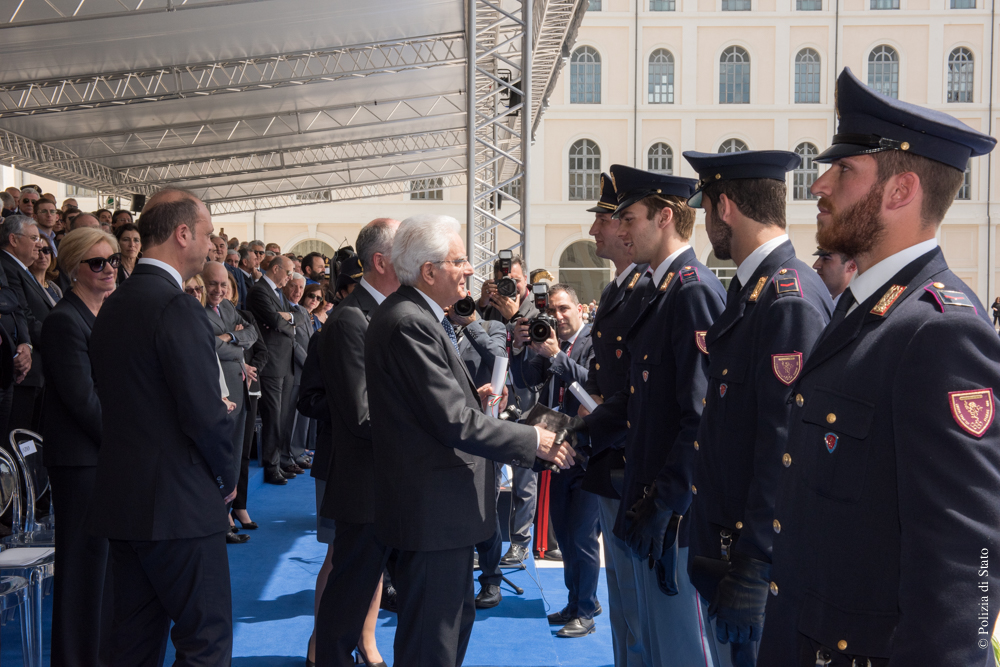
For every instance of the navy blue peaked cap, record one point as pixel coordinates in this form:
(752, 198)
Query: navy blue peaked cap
(712, 167)
(609, 201)
(871, 122)
(632, 185)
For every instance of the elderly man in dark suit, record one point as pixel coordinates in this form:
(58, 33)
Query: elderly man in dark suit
(233, 336)
(166, 469)
(15, 343)
(431, 441)
(274, 317)
(295, 427)
(353, 587)
(20, 241)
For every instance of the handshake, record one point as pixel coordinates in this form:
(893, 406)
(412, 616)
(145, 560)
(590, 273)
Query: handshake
(552, 447)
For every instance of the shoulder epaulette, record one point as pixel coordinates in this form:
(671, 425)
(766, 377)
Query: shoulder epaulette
(946, 297)
(689, 274)
(786, 283)
(635, 278)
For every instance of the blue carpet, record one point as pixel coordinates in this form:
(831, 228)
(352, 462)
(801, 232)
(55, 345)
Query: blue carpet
(273, 580)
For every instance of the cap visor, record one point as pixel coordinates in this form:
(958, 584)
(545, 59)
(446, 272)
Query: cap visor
(629, 200)
(694, 201)
(837, 151)
(600, 209)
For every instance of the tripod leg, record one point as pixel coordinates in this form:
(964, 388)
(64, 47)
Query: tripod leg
(517, 589)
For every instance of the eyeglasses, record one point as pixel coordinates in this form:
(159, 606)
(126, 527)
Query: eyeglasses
(313, 296)
(197, 289)
(28, 200)
(257, 252)
(45, 251)
(459, 263)
(34, 239)
(97, 264)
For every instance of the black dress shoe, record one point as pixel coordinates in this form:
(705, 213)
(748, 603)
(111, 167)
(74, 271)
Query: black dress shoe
(291, 470)
(234, 529)
(304, 463)
(578, 627)
(597, 612)
(515, 555)
(388, 601)
(249, 525)
(275, 478)
(489, 597)
(235, 538)
(553, 554)
(561, 617)
(361, 659)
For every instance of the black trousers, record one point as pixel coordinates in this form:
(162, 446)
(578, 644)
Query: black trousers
(491, 550)
(574, 514)
(358, 559)
(82, 605)
(274, 393)
(185, 581)
(240, 501)
(436, 607)
(26, 408)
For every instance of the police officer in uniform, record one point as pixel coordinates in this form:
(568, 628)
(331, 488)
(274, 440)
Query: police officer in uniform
(776, 308)
(661, 409)
(887, 514)
(607, 375)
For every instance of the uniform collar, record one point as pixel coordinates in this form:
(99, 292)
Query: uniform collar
(620, 278)
(661, 270)
(746, 270)
(867, 283)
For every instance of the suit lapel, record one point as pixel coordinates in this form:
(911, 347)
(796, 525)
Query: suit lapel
(454, 359)
(81, 308)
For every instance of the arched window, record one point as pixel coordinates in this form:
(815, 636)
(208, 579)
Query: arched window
(661, 77)
(806, 173)
(660, 159)
(584, 170)
(960, 69)
(734, 76)
(724, 269)
(965, 192)
(312, 245)
(584, 271)
(732, 146)
(585, 76)
(883, 70)
(807, 66)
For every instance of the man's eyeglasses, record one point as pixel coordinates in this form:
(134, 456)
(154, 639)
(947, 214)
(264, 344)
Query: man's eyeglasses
(28, 200)
(459, 263)
(34, 239)
(257, 252)
(197, 289)
(97, 264)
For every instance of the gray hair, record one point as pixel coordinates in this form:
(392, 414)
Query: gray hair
(253, 243)
(375, 237)
(13, 224)
(233, 251)
(297, 276)
(421, 239)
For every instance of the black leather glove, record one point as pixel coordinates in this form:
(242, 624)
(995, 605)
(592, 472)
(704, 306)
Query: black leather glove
(647, 525)
(666, 567)
(740, 600)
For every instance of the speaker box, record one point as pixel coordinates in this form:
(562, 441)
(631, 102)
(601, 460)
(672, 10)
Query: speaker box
(138, 201)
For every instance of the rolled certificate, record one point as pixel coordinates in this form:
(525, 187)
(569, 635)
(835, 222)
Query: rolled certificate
(497, 382)
(581, 395)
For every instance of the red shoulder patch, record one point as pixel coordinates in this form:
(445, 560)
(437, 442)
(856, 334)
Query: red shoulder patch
(973, 410)
(786, 367)
(699, 340)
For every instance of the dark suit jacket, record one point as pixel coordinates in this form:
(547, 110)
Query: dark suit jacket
(480, 344)
(13, 325)
(534, 370)
(256, 355)
(891, 480)
(350, 492)
(429, 434)
(313, 404)
(36, 305)
(72, 425)
(303, 332)
(231, 354)
(166, 459)
(279, 334)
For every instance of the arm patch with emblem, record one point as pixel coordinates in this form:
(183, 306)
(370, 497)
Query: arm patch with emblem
(786, 283)
(689, 274)
(945, 297)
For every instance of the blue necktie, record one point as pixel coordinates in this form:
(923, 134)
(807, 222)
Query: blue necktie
(451, 334)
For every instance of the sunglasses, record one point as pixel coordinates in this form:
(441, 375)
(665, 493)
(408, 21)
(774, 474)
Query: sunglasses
(97, 264)
(313, 296)
(45, 251)
(194, 290)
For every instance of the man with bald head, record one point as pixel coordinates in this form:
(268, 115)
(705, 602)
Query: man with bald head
(166, 469)
(84, 220)
(273, 312)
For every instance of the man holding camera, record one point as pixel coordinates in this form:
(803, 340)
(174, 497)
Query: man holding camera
(506, 299)
(480, 343)
(558, 354)
(662, 408)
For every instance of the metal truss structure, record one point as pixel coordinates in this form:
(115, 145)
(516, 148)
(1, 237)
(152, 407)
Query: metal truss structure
(423, 101)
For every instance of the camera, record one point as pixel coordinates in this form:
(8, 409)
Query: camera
(506, 285)
(542, 326)
(510, 414)
(465, 307)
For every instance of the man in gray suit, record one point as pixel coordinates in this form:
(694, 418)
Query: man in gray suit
(292, 423)
(233, 336)
(273, 312)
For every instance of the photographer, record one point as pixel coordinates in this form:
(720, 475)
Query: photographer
(495, 306)
(556, 362)
(479, 344)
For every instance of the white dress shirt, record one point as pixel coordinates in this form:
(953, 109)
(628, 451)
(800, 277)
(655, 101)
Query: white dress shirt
(620, 278)
(865, 284)
(749, 266)
(661, 270)
(378, 296)
(166, 267)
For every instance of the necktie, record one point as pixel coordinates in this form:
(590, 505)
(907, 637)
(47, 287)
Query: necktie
(450, 330)
(216, 308)
(566, 347)
(734, 291)
(839, 313)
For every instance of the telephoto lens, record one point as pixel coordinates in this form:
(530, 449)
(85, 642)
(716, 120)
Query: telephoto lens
(465, 307)
(540, 328)
(507, 287)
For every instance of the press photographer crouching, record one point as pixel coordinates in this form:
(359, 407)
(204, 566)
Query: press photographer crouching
(553, 350)
(480, 343)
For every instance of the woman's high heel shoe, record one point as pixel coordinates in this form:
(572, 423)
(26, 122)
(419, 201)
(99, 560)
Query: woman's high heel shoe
(362, 659)
(249, 525)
